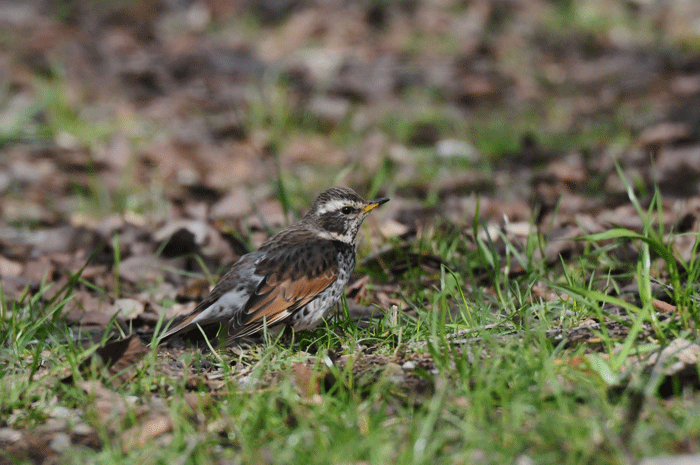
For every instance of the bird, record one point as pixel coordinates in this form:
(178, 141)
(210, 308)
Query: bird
(294, 279)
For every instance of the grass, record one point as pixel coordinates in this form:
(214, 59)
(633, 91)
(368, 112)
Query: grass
(511, 392)
(469, 372)
(406, 389)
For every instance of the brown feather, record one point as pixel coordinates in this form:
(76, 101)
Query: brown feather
(279, 300)
(289, 270)
(285, 290)
(227, 282)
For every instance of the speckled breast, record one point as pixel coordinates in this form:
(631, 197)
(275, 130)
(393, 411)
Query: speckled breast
(312, 313)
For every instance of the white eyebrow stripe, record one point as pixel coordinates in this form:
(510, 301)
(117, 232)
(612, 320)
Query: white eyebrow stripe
(335, 205)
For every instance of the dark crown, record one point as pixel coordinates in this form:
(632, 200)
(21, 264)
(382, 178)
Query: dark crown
(339, 211)
(336, 193)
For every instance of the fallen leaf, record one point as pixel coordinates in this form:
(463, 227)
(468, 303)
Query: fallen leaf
(118, 357)
(9, 268)
(305, 379)
(140, 435)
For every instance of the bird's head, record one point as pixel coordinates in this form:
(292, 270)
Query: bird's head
(338, 212)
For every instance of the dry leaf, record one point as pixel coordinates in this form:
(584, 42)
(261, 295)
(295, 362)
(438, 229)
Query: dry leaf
(140, 435)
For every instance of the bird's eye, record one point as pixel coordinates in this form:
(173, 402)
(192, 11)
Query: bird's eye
(346, 210)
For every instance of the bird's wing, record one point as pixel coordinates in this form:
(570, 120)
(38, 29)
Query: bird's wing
(224, 301)
(285, 289)
(196, 316)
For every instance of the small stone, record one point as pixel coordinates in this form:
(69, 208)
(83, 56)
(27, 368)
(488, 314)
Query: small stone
(66, 140)
(128, 308)
(524, 460)
(235, 204)
(454, 148)
(82, 429)
(684, 459)
(329, 109)
(60, 412)
(198, 16)
(393, 373)
(391, 228)
(17, 14)
(247, 383)
(187, 177)
(60, 442)
(409, 365)
(10, 268)
(55, 424)
(9, 435)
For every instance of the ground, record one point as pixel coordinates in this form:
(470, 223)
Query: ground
(528, 295)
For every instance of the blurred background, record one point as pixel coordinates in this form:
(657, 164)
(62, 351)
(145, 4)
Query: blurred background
(171, 115)
(145, 146)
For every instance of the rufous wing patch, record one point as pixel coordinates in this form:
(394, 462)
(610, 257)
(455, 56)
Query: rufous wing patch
(275, 300)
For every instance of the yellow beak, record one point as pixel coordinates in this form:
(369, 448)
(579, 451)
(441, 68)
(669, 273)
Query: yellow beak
(374, 204)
